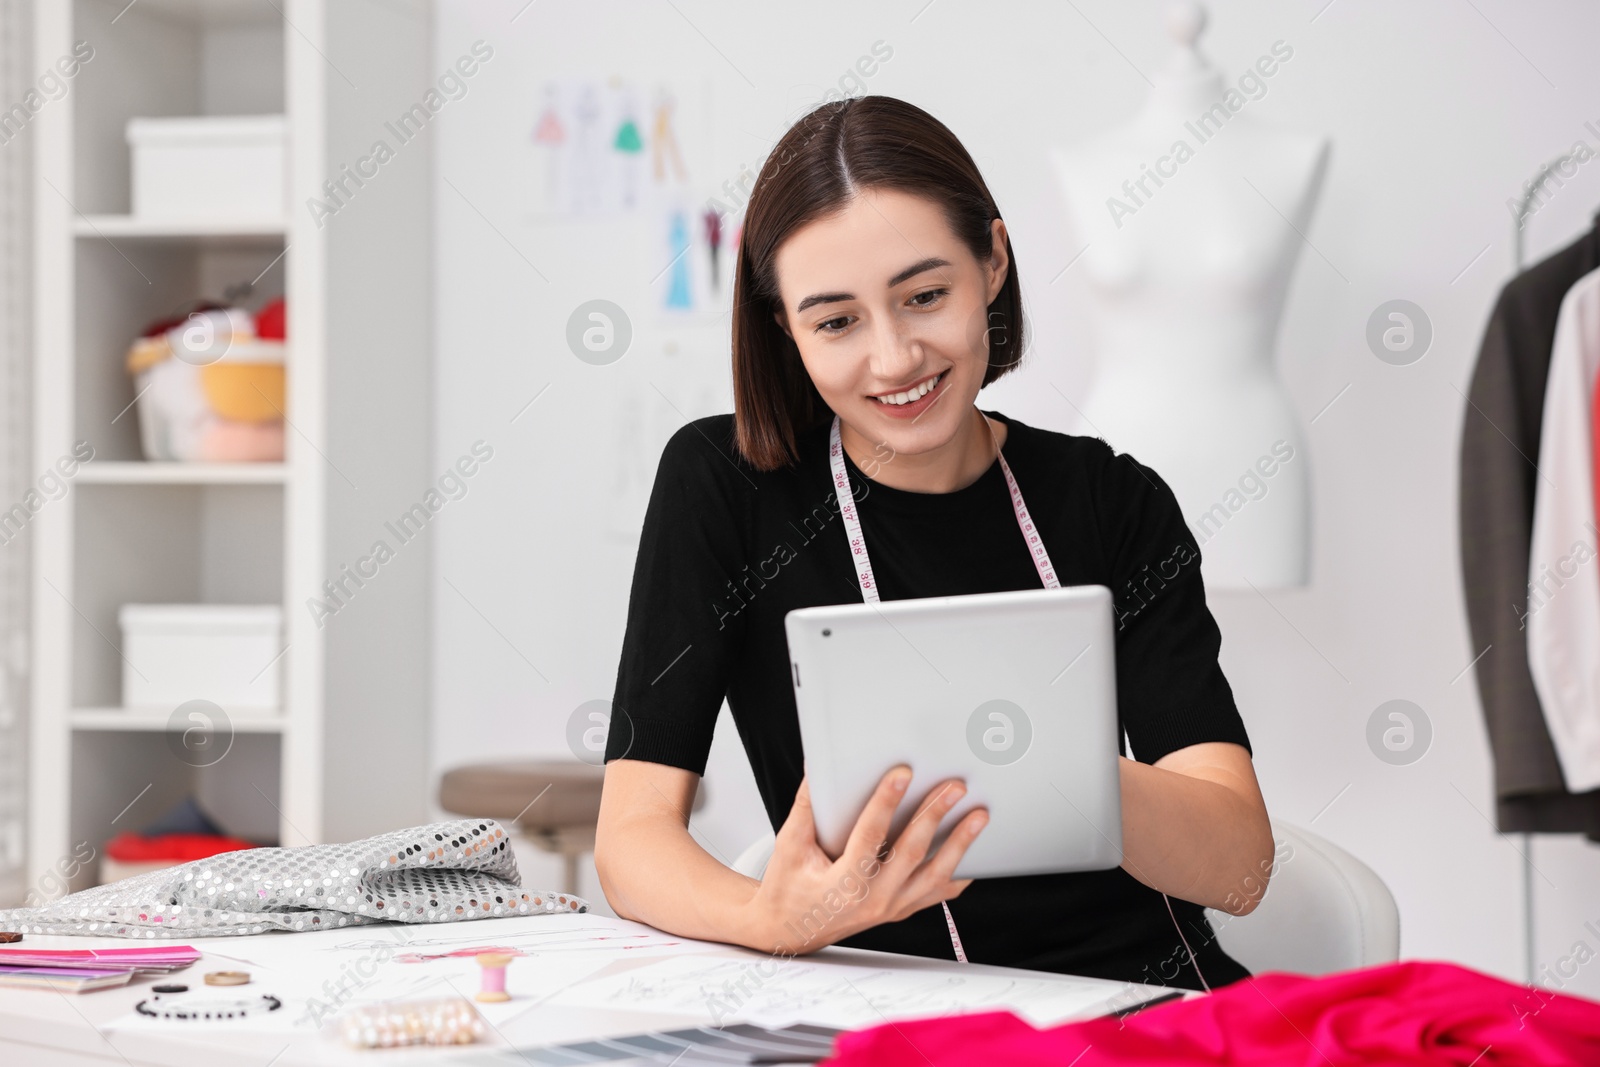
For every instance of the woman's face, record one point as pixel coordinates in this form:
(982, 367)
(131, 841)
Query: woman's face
(883, 299)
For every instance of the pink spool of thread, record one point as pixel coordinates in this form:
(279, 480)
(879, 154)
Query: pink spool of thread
(494, 977)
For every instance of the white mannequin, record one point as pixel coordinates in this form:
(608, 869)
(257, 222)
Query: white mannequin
(1187, 290)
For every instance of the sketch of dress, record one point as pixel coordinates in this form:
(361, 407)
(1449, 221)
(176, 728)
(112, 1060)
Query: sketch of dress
(713, 224)
(551, 134)
(629, 148)
(678, 295)
(587, 178)
(665, 141)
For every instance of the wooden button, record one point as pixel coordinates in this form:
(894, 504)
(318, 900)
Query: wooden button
(228, 978)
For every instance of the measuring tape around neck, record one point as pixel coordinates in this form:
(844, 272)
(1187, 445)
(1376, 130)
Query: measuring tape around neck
(869, 594)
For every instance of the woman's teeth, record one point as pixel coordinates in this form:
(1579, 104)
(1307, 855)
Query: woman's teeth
(911, 394)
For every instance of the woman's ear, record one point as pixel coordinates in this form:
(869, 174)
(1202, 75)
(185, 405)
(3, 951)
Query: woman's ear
(782, 321)
(999, 263)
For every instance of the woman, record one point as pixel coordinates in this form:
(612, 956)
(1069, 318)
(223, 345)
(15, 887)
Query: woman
(876, 284)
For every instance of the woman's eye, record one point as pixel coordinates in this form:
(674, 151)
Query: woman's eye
(839, 325)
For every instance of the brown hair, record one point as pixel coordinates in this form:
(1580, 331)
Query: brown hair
(823, 162)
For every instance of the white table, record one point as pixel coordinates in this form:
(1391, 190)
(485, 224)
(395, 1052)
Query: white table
(585, 977)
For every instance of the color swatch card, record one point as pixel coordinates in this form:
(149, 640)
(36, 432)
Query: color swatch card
(153, 958)
(82, 970)
(62, 979)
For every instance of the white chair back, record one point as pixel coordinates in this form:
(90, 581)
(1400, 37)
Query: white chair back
(1324, 910)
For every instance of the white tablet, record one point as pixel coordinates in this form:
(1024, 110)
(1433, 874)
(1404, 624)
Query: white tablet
(1014, 692)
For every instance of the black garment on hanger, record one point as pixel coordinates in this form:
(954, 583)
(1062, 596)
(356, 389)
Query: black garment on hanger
(1499, 447)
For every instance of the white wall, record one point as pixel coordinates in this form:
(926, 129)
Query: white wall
(1438, 112)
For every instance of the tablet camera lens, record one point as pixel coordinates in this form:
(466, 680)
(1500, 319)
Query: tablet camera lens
(827, 633)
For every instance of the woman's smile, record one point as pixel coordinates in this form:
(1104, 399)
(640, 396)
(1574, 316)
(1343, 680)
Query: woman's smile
(912, 402)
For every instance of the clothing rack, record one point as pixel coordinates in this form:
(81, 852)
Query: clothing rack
(1529, 193)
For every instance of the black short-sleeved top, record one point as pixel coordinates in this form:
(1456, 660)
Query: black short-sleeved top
(727, 550)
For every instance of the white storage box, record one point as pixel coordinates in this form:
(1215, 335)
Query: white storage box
(209, 168)
(224, 653)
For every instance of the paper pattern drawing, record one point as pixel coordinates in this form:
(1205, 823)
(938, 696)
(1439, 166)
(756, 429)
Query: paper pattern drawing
(776, 991)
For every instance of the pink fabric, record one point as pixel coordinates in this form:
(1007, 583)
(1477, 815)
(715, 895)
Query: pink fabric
(1413, 1012)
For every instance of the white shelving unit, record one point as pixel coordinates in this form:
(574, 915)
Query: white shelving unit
(244, 232)
(146, 473)
(118, 719)
(346, 754)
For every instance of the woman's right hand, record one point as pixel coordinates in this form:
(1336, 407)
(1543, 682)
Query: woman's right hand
(806, 900)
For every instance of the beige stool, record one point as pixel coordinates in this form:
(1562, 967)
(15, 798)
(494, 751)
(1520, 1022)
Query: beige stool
(554, 803)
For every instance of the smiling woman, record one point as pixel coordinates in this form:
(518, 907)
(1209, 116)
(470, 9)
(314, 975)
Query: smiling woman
(883, 355)
(876, 295)
(931, 296)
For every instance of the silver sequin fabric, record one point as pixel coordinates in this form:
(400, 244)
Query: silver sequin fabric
(444, 872)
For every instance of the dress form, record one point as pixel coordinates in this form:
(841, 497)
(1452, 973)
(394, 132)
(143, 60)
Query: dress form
(1187, 290)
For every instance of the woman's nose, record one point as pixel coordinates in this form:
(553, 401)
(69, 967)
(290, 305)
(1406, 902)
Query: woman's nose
(896, 351)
